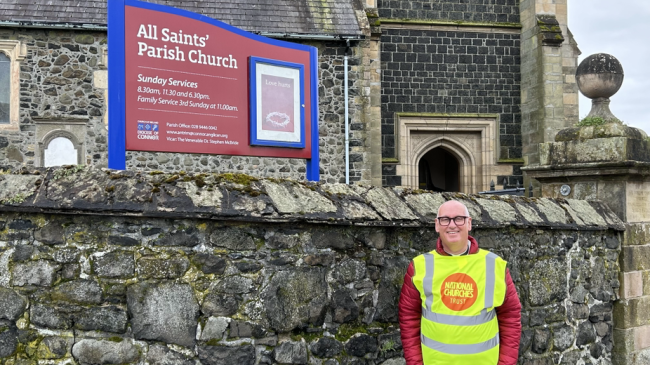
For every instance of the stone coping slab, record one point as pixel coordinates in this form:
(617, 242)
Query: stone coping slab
(236, 197)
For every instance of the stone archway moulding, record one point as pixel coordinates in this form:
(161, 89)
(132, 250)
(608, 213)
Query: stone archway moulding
(47, 129)
(473, 139)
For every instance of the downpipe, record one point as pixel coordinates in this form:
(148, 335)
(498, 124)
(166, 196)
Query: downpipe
(347, 134)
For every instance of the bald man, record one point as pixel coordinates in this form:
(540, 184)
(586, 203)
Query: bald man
(458, 303)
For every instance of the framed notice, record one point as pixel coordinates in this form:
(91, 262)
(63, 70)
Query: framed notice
(277, 103)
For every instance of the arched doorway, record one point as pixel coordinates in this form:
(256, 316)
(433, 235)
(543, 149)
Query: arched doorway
(471, 141)
(439, 170)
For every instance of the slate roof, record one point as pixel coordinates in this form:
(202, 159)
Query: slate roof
(307, 17)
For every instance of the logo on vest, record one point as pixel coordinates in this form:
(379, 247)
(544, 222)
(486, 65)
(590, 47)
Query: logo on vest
(459, 292)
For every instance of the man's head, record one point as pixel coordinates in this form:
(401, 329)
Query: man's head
(453, 224)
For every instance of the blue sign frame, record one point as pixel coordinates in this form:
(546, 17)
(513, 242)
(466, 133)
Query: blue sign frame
(117, 85)
(255, 139)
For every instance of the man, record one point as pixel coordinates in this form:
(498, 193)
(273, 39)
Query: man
(458, 303)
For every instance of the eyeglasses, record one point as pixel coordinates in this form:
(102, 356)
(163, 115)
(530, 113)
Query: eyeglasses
(459, 221)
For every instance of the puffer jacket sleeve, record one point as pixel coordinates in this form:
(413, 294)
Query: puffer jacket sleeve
(410, 312)
(509, 317)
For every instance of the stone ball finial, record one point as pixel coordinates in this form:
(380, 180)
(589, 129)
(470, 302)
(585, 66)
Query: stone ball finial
(599, 77)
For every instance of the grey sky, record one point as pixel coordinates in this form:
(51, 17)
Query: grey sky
(621, 29)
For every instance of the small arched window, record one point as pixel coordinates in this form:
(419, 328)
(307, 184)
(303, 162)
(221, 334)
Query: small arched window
(60, 151)
(5, 88)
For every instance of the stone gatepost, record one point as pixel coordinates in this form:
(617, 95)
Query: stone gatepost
(609, 162)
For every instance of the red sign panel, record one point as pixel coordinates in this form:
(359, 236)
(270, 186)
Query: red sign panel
(187, 87)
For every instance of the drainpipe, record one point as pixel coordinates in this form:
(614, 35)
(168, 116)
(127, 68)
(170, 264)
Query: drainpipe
(347, 136)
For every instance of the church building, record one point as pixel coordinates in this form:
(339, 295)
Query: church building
(445, 95)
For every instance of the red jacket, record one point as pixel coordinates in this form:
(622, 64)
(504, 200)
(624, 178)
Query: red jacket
(410, 312)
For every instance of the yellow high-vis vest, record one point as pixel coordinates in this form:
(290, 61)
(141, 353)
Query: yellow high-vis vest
(459, 294)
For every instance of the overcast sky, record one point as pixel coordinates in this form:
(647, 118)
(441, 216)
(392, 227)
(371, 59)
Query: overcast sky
(620, 28)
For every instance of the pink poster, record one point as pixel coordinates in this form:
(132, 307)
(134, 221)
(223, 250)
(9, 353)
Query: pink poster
(277, 103)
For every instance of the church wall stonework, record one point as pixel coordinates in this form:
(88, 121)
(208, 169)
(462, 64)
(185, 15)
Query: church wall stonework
(451, 73)
(452, 58)
(126, 267)
(57, 84)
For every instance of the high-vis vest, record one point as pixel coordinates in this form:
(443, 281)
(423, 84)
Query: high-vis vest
(459, 294)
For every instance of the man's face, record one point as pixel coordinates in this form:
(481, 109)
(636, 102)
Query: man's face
(453, 236)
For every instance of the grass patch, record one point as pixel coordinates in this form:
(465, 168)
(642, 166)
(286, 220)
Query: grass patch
(236, 178)
(16, 199)
(66, 171)
(346, 331)
(595, 121)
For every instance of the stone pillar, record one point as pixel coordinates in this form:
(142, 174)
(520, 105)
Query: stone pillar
(549, 94)
(610, 163)
(371, 68)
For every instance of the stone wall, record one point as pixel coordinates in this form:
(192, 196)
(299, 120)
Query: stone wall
(56, 82)
(119, 267)
(62, 79)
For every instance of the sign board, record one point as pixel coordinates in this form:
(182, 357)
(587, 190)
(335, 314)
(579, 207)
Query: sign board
(182, 82)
